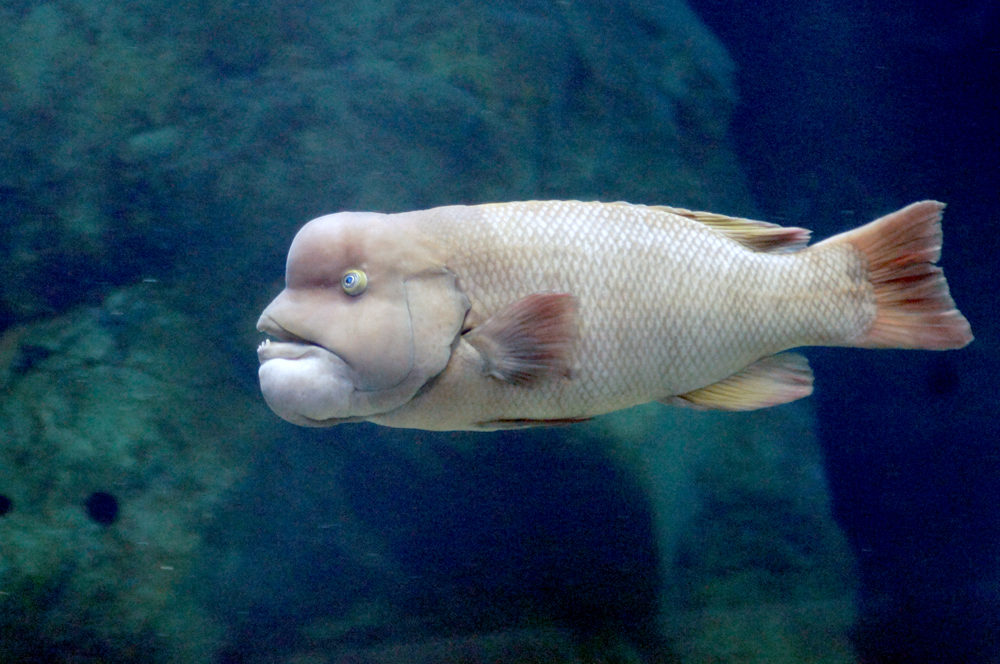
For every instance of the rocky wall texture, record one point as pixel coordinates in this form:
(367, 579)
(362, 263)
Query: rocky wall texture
(141, 140)
(121, 435)
(652, 535)
(753, 566)
(156, 160)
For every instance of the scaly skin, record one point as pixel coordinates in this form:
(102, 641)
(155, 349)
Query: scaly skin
(666, 305)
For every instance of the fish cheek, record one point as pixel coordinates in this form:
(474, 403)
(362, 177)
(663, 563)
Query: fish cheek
(371, 332)
(425, 321)
(373, 335)
(437, 310)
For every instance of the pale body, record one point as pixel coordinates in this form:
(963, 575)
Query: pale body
(665, 305)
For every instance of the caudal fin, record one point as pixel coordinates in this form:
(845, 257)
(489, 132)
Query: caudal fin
(914, 307)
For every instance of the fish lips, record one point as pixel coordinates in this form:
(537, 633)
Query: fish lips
(305, 383)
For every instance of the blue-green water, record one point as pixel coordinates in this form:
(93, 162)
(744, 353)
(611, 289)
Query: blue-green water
(156, 161)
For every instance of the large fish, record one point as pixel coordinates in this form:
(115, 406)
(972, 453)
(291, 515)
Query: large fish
(544, 312)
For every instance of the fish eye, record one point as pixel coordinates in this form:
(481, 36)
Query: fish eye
(354, 282)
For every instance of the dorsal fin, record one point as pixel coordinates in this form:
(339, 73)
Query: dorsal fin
(759, 236)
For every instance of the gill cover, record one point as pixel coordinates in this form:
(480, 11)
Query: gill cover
(344, 353)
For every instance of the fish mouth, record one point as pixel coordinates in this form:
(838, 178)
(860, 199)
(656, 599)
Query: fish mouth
(308, 384)
(285, 350)
(304, 383)
(281, 343)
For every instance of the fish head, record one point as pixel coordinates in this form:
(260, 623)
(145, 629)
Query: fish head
(368, 315)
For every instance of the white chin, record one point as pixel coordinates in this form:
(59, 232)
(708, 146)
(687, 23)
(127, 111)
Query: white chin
(306, 384)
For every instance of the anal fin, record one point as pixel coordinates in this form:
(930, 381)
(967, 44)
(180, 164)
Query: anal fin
(770, 381)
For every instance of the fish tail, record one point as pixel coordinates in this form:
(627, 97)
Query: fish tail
(914, 308)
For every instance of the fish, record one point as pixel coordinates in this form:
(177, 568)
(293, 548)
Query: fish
(519, 314)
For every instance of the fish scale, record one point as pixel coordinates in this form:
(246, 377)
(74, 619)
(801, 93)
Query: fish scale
(650, 324)
(541, 312)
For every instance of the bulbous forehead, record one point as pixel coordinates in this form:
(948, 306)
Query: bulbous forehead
(327, 246)
(386, 243)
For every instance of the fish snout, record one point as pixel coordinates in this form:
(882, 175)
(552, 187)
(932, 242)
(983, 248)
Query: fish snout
(269, 326)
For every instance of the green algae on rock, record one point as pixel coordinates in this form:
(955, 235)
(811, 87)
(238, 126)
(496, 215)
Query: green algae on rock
(122, 434)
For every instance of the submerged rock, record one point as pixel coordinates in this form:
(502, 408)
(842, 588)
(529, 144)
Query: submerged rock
(163, 140)
(130, 130)
(753, 568)
(122, 433)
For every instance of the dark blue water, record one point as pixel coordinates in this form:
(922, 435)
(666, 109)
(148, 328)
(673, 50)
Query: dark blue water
(839, 100)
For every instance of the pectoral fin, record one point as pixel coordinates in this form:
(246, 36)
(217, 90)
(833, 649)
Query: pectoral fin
(767, 382)
(529, 340)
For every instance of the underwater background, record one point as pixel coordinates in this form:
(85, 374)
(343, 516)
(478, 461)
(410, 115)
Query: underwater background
(156, 160)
